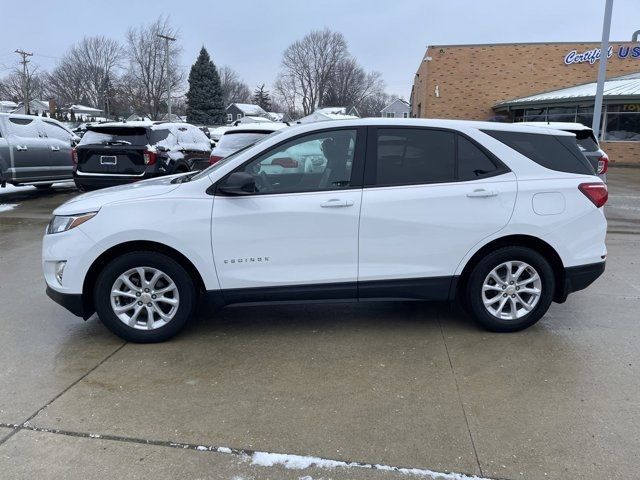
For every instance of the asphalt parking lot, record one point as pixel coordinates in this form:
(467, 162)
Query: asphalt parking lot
(390, 387)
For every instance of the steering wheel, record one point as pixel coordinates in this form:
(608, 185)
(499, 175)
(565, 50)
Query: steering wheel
(263, 183)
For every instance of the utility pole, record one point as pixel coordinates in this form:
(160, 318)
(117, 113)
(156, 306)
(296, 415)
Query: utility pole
(602, 70)
(166, 42)
(25, 80)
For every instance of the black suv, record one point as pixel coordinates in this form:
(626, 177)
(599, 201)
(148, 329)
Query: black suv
(116, 153)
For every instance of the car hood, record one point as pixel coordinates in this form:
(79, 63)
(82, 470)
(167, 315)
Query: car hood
(92, 201)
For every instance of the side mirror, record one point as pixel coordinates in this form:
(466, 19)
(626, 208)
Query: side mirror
(238, 183)
(162, 148)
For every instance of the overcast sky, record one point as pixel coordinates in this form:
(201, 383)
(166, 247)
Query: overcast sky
(250, 35)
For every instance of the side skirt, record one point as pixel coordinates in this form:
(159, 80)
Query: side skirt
(431, 288)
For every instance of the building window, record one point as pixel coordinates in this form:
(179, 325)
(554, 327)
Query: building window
(622, 123)
(239, 116)
(390, 114)
(229, 117)
(405, 114)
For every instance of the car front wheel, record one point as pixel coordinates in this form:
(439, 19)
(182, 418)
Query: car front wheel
(510, 289)
(144, 297)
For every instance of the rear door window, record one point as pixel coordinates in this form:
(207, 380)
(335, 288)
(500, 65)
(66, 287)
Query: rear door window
(555, 152)
(473, 163)
(410, 156)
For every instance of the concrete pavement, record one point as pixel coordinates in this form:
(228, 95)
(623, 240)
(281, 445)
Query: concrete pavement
(399, 384)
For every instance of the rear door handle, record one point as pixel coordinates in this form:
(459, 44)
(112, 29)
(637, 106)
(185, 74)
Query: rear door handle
(54, 148)
(481, 192)
(21, 148)
(336, 203)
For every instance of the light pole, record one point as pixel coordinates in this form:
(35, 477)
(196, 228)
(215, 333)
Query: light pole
(602, 70)
(166, 41)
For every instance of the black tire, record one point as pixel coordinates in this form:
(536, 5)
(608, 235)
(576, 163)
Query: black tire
(473, 295)
(183, 281)
(44, 186)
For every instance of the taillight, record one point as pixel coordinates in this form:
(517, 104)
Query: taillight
(596, 192)
(285, 162)
(603, 164)
(149, 157)
(214, 159)
(74, 156)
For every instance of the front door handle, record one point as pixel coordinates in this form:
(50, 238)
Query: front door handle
(21, 148)
(54, 148)
(336, 203)
(481, 192)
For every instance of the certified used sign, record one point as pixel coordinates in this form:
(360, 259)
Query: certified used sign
(593, 55)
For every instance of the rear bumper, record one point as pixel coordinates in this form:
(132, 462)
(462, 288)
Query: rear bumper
(71, 301)
(579, 278)
(106, 180)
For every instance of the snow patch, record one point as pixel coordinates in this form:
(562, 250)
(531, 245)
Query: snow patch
(5, 207)
(223, 450)
(202, 448)
(301, 462)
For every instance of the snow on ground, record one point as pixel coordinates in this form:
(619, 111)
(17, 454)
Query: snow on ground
(5, 207)
(300, 462)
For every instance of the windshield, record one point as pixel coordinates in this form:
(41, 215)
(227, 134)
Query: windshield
(115, 136)
(226, 160)
(586, 140)
(234, 141)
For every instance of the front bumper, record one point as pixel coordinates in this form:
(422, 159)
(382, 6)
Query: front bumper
(71, 301)
(578, 278)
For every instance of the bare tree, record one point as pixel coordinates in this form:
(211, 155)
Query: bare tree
(81, 75)
(351, 85)
(12, 86)
(234, 90)
(307, 67)
(146, 53)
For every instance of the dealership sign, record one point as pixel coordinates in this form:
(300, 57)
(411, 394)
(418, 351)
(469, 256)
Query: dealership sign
(592, 56)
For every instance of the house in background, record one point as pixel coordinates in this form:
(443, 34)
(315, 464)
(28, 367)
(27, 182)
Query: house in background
(7, 106)
(36, 107)
(399, 108)
(331, 113)
(236, 111)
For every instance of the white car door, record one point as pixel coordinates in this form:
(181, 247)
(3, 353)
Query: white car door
(298, 232)
(429, 196)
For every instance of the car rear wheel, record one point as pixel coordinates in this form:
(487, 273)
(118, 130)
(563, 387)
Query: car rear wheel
(510, 289)
(144, 297)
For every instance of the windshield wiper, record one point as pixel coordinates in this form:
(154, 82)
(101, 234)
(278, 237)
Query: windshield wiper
(115, 142)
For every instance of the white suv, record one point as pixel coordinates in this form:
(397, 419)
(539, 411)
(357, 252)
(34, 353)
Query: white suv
(504, 218)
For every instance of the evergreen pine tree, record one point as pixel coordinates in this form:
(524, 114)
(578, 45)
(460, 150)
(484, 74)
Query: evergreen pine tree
(261, 98)
(204, 98)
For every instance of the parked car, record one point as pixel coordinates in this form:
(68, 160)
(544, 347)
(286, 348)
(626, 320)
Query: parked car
(238, 137)
(34, 150)
(116, 153)
(503, 218)
(587, 142)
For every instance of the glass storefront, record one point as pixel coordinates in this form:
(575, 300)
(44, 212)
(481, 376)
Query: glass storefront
(620, 122)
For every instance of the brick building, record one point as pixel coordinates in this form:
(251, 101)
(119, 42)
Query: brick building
(531, 82)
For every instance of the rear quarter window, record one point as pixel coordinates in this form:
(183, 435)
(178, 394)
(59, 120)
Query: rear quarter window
(555, 152)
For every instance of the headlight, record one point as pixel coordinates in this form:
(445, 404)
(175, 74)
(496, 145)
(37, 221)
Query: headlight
(62, 223)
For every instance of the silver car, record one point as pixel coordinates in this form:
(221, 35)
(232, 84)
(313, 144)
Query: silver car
(34, 150)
